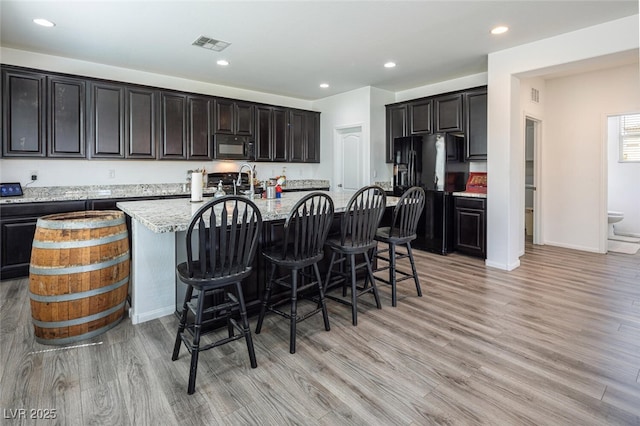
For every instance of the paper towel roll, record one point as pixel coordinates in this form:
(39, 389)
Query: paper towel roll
(196, 186)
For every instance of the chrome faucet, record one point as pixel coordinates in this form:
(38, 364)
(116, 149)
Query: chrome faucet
(251, 189)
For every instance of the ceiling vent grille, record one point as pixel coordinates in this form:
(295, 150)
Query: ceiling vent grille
(535, 95)
(211, 43)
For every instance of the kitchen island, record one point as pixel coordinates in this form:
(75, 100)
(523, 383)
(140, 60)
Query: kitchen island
(158, 240)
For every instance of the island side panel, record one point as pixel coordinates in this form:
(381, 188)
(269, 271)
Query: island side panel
(153, 282)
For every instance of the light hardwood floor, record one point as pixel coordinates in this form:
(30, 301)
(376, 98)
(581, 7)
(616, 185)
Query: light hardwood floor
(555, 342)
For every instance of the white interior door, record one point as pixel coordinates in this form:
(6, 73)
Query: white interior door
(349, 161)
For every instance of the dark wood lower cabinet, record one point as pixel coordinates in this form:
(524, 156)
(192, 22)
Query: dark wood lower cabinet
(17, 227)
(471, 227)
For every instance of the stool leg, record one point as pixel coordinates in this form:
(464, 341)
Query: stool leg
(413, 268)
(373, 282)
(265, 299)
(183, 323)
(392, 274)
(294, 311)
(322, 303)
(195, 348)
(354, 291)
(245, 325)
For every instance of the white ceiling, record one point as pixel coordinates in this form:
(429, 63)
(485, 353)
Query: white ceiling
(290, 47)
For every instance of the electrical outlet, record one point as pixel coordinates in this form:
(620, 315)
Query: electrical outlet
(112, 174)
(34, 175)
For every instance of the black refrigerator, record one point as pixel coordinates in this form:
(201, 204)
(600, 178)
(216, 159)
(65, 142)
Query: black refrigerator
(436, 163)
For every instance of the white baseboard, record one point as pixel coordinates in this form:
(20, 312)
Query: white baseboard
(574, 247)
(148, 316)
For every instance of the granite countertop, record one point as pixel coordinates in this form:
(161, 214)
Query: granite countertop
(469, 194)
(174, 215)
(98, 192)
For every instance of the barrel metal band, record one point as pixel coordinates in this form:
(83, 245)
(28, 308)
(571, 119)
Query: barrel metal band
(80, 243)
(79, 224)
(73, 339)
(78, 269)
(78, 321)
(75, 296)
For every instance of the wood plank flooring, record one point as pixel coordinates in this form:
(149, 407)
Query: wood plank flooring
(555, 342)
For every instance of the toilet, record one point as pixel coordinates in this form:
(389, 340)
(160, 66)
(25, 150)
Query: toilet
(614, 217)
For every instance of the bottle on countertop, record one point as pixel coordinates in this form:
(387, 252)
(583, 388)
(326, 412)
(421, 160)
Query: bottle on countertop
(219, 192)
(284, 177)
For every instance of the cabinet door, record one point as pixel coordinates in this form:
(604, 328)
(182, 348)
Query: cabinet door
(312, 148)
(66, 117)
(264, 133)
(141, 122)
(421, 112)
(23, 96)
(476, 125)
(448, 113)
(244, 119)
(106, 120)
(173, 134)
(396, 126)
(200, 130)
(279, 136)
(297, 135)
(225, 116)
(470, 226)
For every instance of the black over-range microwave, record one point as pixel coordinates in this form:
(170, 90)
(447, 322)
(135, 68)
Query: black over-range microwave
(230, 147)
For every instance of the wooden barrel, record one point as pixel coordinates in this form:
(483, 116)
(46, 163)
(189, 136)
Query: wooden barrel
(79, 275)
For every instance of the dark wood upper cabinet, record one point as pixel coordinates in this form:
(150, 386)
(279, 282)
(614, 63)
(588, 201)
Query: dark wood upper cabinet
(304, 136)
(421, 113)
(280, 133)
(23, 118)
(106, 120)
(200, 127)
(312, 153)
(244, 118)
(448, 113)
(44, 115)
(396, 126)
(141, 122)
(48, 114)
(297, 135)
(234, 117)
(173, 124)
(476, 124)
(66, 117)
(271, 133)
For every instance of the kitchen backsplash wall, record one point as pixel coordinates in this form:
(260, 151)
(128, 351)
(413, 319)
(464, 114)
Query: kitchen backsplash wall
(84, 172)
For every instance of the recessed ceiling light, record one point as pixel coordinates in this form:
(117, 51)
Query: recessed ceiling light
(500, 30)
(390, 65)
(222, 62)
(324, 85)
(44, 22)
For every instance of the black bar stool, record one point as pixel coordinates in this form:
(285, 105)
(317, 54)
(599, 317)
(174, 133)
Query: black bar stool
(305, 232)
(226, 236)
(402, 231)
(360, 221)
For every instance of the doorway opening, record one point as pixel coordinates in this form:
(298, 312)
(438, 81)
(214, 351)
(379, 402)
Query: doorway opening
(623, 195)
(532, 205)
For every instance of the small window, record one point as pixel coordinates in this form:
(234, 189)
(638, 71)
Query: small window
(629, 138)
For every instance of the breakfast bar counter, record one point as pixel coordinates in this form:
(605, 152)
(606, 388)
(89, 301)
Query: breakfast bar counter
(158, 230)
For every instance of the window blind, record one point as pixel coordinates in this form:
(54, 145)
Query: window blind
(630, 138)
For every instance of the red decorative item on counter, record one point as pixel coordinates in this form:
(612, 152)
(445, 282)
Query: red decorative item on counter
(477, 182)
